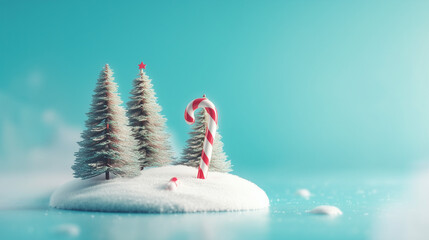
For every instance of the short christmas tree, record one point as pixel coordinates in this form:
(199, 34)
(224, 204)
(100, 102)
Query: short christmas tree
(147, 123)
(107, 145)
(192, 153)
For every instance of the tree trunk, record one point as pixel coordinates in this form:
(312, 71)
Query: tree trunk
(107, 175)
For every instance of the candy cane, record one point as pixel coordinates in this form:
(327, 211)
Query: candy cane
(210, 131)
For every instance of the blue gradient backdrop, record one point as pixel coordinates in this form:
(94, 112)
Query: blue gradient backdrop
(300, 85)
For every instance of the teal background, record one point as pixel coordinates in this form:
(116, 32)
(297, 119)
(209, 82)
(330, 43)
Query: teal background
(331, 96)
(299, 84)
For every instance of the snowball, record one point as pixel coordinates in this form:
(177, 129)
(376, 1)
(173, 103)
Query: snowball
(326, 210)
(304, 193)
(147, 193)
(173, 184)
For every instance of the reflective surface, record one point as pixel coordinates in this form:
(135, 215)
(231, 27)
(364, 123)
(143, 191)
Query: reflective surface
(362, 201)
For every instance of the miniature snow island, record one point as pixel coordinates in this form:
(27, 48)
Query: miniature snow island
(149, 193)
(125, 161)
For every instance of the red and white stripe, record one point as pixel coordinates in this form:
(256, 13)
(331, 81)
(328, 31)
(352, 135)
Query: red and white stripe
(210, 132)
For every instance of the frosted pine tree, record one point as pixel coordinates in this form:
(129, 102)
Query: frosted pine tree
(147, 123)
(107, 145)
(192, 153)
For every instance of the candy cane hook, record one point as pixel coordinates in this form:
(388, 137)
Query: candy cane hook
(210, 131)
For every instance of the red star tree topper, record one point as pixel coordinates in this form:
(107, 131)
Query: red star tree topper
(142, 66)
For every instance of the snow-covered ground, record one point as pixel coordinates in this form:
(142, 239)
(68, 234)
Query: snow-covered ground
(148, 193)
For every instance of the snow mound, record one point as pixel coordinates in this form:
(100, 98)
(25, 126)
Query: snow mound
(148, 193)
(304, 193)
(326, 210)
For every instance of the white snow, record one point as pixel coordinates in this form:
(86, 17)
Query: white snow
(148, 193)
(305, 193)
(326, 210)
(171, 186)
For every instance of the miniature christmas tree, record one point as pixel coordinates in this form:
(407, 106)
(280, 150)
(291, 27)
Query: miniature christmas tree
(192, 153)
(107, 146)
(147, 124)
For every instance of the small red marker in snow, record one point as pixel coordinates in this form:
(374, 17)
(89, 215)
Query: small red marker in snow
(173, 184)
(174, 179)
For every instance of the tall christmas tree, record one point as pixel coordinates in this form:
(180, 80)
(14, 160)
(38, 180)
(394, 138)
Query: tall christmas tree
(192, 153)
(147, 123)
(107, 146)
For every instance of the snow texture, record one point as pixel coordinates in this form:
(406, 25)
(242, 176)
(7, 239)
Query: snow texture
(326, 210)
(148, 193)
(172, 186)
